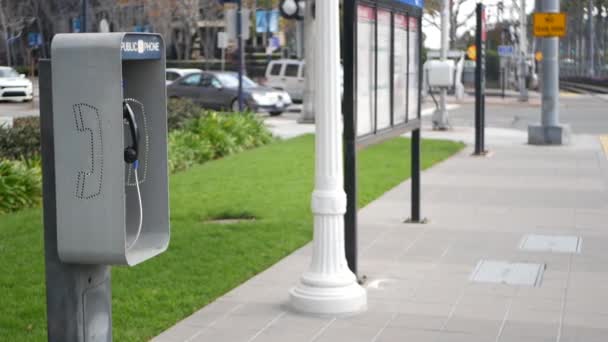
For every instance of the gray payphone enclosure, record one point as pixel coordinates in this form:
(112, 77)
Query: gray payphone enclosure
(98, 209)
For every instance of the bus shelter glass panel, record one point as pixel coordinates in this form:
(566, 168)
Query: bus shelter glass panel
(414, 72)
(384, 70)
(366, 58)
(400, 69)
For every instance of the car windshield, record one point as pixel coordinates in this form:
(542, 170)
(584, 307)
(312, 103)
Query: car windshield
(232, 81)
(6, 72)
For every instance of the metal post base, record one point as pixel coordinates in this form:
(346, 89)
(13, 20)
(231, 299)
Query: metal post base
(549, 135)
(440, 120)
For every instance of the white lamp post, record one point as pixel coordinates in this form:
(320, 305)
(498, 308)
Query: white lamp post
(328, 287)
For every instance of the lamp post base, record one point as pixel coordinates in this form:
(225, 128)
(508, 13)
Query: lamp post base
(325, 299)
(548, 135)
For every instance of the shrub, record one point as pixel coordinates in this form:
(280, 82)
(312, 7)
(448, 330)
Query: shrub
(20, 185)
(181, 111)
(22, 141)
(186, 150)
(213, 136)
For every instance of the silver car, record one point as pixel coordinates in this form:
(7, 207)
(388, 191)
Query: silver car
(219, 91)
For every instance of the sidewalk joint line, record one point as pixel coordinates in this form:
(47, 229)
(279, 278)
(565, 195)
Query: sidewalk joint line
(268, 325)
(506, 316)
(214, 322)
(322, 330)
(564, 299)
(384, 327)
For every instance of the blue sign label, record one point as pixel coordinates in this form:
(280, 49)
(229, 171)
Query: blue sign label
(76, 25)
(34, 39)
(267, 21)
(505, 50)
(417, 3)
(141, 47)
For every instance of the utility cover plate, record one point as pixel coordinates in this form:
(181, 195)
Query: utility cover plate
(504, 272)
(548, 243)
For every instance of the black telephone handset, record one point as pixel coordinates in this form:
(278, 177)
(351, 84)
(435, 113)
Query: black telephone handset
(131, 151)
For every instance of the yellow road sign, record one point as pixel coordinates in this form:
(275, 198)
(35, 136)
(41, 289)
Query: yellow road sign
(549, 24)
(538, 56)
(472, 52)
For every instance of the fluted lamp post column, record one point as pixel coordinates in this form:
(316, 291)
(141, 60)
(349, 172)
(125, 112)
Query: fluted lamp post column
(328, 287)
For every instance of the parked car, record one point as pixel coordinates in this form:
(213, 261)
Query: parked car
(289, 75)
(174, 73)
(14, 86)
(219, 90)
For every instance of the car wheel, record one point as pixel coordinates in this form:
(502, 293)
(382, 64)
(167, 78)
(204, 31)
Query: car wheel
(275, 113)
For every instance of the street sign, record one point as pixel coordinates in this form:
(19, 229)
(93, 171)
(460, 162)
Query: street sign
(34, 39)
(222, 40)
(472, 52)
(538, 56)
(549, 24)
(505, 50)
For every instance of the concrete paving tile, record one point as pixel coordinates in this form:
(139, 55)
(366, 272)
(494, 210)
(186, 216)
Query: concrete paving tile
(514, 328)
(426, 309)
(342, 330)
(583, 334)
(401, 335)
(586, 320)
(525, 314)
(225, 335)
(490, 308)
(476, 327)
(463, 337)
(293, 327)
(179, 333)
(515, 338)
(418, 322)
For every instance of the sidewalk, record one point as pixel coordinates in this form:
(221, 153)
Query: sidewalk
(431, 283)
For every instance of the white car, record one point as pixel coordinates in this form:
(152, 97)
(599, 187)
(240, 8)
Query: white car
(174, 73)
(14, 86)
(289, 75)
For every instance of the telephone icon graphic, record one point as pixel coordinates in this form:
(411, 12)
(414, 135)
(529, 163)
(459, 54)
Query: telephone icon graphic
(89, 178)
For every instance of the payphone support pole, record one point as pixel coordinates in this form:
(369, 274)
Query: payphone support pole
(73, 291)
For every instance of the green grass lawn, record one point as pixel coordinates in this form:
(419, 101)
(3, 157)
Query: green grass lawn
(204, 260)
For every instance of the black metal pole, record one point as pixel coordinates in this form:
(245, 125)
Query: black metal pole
(503, 81)
(376, 69)
(78, 297)
(83, 24)
(416, 176)
(241, 48)
(415, 153)
(349, 110)
(478, 80)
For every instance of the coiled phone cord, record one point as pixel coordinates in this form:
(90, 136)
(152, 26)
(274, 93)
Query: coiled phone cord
(141, 209)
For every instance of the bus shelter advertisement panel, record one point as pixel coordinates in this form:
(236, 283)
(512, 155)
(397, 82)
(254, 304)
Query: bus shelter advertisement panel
(400, 70)
(366, 59)
(384, 69)
(413, 74)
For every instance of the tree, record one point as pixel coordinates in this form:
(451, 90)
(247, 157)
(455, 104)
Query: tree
(459, 18)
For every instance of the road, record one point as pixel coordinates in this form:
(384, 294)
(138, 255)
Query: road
(586, 114)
